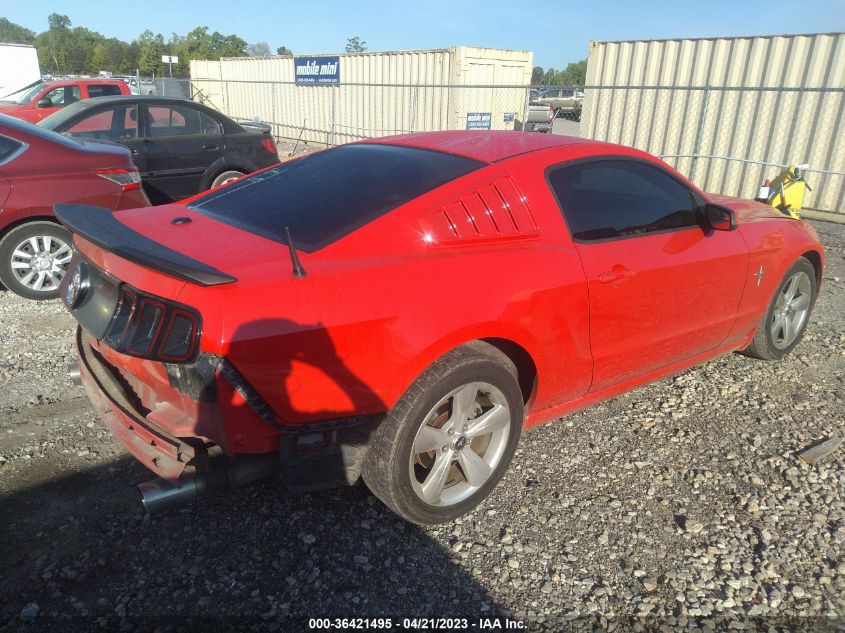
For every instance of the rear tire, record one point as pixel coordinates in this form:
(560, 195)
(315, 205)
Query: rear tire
(34, 258)
(446, 444)
(226, 176)
(785, 321)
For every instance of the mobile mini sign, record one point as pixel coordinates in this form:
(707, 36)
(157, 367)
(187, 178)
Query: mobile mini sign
(317, 70)
(479, 120)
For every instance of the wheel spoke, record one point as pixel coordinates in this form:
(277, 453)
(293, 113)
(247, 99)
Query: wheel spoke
(33, 242)
(22, 254)
(495, 419)
(791, 288)
(432, 487)
(62, 260)
(462, 403)
(801, 302)
(39, 283)
(28, 277)
(476, 470)
(61, 251)
(430, 439)
(788, 330)
(48, 243)
(21, 265)
(778, 326)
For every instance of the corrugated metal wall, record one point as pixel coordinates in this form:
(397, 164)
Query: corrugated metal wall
(725, 111)
(379, 94)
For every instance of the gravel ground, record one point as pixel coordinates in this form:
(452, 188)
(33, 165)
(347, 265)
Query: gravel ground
(679, 505)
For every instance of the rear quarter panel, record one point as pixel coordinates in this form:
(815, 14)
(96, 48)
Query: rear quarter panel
(380, 305)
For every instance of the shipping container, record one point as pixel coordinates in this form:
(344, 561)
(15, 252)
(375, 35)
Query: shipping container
(377, 94)
(727, 111)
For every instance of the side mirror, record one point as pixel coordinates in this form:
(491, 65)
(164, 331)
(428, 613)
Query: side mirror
(719, 218)
(44, 102)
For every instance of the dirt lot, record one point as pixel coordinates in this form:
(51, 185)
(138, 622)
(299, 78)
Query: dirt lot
(680, 504)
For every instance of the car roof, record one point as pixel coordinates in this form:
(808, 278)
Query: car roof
(483, 145)
(69, 82)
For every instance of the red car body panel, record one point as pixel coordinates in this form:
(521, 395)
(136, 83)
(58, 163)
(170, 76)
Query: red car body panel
(31, 113)
(50, 172)
(381, 304)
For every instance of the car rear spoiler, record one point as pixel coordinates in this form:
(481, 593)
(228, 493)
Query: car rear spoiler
(99, 226)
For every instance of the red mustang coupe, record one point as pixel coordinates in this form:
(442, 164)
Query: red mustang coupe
(401, 308)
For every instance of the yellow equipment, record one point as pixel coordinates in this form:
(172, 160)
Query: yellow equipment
(786, 191)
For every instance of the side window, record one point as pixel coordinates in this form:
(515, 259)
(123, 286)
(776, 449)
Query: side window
(173, 121)
(102, 90)
(8, 148)
(210, 125)
(618, 198)
(64, 95)
(115, 124)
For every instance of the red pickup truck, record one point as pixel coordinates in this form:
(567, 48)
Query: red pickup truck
(48, 97)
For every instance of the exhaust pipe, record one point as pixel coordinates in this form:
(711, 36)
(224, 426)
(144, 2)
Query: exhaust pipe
(160, 495)
(73, 373)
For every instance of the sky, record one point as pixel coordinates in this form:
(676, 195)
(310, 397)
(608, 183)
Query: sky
(558, 32)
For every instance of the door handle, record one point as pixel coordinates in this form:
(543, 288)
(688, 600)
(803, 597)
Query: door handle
(617, 273)
(209, 146)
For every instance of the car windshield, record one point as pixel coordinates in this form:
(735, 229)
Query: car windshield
(30, 94)
(325, 196)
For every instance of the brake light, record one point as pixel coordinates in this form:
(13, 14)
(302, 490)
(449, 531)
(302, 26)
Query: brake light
(269, 144)
(153, 328)
(128, 179)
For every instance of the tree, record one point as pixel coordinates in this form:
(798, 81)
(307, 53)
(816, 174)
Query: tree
(537, 75)
(574, 74)
(355, 45)
(284, 50)
(11, 33)
(259, 49)
(150, 50)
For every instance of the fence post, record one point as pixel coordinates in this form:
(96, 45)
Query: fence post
(697, 148)
(334, 112)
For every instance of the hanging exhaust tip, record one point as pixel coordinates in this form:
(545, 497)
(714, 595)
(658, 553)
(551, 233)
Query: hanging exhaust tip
(73, 373)
(160, 495)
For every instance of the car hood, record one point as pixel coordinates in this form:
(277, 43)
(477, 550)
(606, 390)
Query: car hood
(747, 211)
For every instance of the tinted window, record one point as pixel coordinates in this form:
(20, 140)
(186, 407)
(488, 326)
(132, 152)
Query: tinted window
(327, 195)
(8, 147)
(210, 125)
(608, 199)
(173, 121)
(103, 91)
(115, 124)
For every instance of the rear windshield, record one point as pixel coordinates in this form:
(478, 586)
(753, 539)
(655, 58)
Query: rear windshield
(327, 195)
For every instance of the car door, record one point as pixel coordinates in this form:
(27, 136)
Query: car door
(59, 97)
(117, 123)
(662, 288)
(179, 151)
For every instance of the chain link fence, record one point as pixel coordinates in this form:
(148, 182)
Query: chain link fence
(725, 139)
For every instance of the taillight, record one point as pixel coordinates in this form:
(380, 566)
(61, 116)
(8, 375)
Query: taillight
(269, 144)
(128, 179)
(150, 327)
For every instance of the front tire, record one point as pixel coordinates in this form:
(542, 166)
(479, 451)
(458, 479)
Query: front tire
(34, 258)
(446, 444)
(785, 322)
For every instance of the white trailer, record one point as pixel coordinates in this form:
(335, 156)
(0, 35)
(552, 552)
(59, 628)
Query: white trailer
(18, 68)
